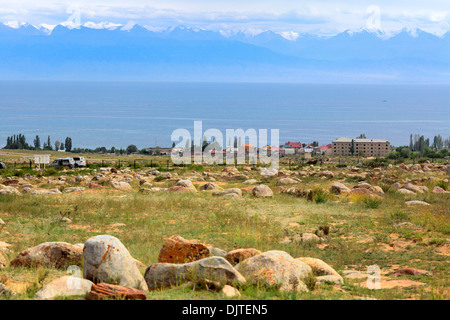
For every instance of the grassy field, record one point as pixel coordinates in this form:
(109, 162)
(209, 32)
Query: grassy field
(363, 232)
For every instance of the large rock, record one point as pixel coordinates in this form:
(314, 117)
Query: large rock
(284, 181)
(107, 260)
(319, 267)
(262, 191)
(110, 291)
(233, 192)
(181, 189)
(276, 269)
(176, 249)
(404, 191)
(417, 203)
(57, 255)
(238, 255)
(74, 189)
(413, 188)
(210, 187)
(339, 188)
(8, 190)
(45, 192)
(121, 185)
(215, 270)
(65, 286)
(186, 184)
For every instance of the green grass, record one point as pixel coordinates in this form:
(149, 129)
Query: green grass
(362, 233)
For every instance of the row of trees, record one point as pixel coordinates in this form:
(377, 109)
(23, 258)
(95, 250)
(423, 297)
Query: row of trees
(19, 141)
(418, 143)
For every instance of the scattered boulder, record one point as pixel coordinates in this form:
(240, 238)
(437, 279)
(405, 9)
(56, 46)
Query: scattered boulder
(230, 292)
(284, 181)
(121, 185)
(8, 190)
(216, 252)
(417, 203)
(57, 255)
(110, 291)
(74, 189)
(339, 188)
(45, 192)
(176, 249)
(233, 192)
(181, 189)
(65, 286)
(204, 271)
(210, 187)
(186, 184)
(438, 189)
(250, 181)
(107, 260)
(404, 191)
(319, 267)
(276, 269)
(238, 255)
(262, 191)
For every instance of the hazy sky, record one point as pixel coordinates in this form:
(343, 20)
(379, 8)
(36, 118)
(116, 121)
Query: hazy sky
(324, 17)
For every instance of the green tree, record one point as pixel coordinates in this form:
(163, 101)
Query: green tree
(68, 144)
(132, 149)
(352, 147)
(37, 143)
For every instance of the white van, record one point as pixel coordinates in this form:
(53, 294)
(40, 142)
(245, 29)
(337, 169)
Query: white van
(79, 162)
(63, 162)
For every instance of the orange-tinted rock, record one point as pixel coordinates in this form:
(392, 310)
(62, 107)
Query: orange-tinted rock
(57, 255)
(10, 182)
(238, 255)
(110, 291)
(176, 249)
(180, 189)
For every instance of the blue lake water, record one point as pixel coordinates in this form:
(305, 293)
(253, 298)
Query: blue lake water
(118, 114)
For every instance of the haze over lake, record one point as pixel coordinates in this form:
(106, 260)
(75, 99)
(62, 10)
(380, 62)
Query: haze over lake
(96, 114)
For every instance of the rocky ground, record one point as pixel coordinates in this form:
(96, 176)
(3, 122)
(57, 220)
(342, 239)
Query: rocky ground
(316, 232)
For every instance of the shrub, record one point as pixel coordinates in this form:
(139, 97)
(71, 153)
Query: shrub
(371, 203)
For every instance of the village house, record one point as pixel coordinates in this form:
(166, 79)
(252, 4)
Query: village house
(362, 147)
(326, 150)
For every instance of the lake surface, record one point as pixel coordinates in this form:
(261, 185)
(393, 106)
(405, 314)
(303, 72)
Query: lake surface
(96, 114)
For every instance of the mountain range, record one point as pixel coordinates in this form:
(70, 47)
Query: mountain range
(184, 54)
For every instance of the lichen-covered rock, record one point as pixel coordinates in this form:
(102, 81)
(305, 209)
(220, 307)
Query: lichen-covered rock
(107, 260)
(215, 270)
(57, 255)
(276, 269)
(238, 255)
(176, 249)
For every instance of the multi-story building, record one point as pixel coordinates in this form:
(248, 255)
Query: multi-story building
(362, 147)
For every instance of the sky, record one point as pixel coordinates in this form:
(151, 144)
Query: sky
(310, 16)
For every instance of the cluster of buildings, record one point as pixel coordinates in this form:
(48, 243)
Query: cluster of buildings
(340, 147)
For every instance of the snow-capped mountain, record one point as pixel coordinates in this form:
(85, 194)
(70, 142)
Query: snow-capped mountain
(135, 51)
